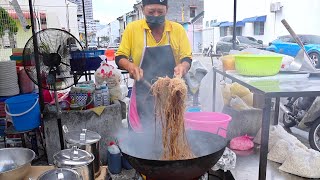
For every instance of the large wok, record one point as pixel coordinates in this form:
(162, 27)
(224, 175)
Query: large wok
(143, 152)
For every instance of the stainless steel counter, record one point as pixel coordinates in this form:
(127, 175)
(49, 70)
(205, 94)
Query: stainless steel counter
(247, 168)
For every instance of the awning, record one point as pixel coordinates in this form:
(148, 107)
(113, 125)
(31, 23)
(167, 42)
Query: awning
(255, 19)
(216, 24)
(228, 24)
(26, 14)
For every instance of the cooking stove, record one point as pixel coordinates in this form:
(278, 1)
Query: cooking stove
(211, 175)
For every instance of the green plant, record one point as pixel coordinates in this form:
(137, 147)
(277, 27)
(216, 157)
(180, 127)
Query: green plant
(7, 23)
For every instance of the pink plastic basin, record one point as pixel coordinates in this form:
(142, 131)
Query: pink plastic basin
(213, 122)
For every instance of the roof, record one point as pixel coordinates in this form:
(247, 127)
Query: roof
(26, 14)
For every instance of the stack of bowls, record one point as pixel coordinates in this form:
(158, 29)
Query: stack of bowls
(8, 78)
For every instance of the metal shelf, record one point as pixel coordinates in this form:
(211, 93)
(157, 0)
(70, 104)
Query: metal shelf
(247, 168)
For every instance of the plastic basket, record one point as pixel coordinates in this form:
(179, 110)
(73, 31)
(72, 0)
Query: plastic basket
(80, 99)
(258, 65)
(86, 54)
(85, 60)
(212, 122)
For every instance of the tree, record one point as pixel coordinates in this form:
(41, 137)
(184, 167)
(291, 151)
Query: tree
(7, 24)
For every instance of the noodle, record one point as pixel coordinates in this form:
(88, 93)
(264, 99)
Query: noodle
(170, 96)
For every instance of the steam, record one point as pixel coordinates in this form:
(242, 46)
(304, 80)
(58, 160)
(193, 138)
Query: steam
(147, 145)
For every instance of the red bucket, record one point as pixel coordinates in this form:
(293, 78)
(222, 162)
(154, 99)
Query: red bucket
(213, 122)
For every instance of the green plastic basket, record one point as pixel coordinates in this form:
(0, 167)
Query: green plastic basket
(258, 65)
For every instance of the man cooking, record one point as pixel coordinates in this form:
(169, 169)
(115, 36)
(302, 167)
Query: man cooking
(158, 48)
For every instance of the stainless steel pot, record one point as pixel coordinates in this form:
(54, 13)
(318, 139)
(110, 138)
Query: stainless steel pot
(88, 141)
(15, 163)
(60, 174)
(76, 159)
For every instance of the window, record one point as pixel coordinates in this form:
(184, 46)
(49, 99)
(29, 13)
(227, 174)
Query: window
(238, 31)
(259, 28)
(43, 23)
(207, 24)
(192, 12)
(223, 31)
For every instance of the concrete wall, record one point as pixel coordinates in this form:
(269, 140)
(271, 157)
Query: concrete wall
(176, 8)
(301, 15)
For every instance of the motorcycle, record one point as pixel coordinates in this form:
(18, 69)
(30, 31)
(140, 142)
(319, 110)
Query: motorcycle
(304, 113)
(208, 51)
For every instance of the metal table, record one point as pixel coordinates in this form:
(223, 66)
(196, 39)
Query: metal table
(271, 87)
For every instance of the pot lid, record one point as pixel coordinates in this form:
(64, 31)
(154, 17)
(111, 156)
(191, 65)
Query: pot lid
(73, 157)
(82, 137)
(60, 174)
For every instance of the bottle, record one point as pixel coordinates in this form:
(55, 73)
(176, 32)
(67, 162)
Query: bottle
(98, 97)
(89, 101)
(105, 95)
(114, 159)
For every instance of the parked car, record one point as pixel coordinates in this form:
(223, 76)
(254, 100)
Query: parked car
(242, 42)
(287, 45)
(115, 47)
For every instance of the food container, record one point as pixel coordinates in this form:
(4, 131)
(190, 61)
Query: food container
(258, 65)
(15, 163)
(60, 174)
(88, 141)
(228, 62)
(76, 159)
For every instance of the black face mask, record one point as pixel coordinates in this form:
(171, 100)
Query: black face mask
(155, 21)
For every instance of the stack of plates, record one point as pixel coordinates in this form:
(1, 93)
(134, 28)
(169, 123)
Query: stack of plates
(8, 78)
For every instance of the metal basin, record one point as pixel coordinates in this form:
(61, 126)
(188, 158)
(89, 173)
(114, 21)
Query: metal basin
(15, 163)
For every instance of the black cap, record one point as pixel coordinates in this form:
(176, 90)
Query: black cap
(162, 2)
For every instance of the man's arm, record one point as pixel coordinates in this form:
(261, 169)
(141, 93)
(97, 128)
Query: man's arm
(124, 52)
(185, 54)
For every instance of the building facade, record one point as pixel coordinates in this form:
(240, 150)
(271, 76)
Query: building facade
(181, 11)
(260, 19)
(47, 17)
(87, 7)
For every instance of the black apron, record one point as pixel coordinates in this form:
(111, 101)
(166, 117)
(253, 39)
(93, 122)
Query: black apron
(156, 62)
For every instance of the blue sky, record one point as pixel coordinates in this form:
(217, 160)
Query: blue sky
(108, 10)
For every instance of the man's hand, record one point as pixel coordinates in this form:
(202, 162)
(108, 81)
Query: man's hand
(135, 72)
(181, 69)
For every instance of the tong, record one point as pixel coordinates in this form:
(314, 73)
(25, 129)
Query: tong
(146, 83)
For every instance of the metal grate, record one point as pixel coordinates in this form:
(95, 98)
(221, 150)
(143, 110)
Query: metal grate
(12, 34)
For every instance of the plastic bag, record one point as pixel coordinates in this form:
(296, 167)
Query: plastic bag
(304, 163)
(206, 93)
(226, 162)
(109, 74)
(194, 76)
(112, 76)
(275, 134)
(280, 151)
(238, 104)
(242, 143)
(225, 88)
(239, 90)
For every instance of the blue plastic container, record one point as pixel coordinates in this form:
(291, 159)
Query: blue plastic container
(25, 111)
(125, 163)
(114, 162)
(86, 60)
(129, 92)
(194, 109)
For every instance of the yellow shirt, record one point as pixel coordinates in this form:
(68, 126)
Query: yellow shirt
(133, 40)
